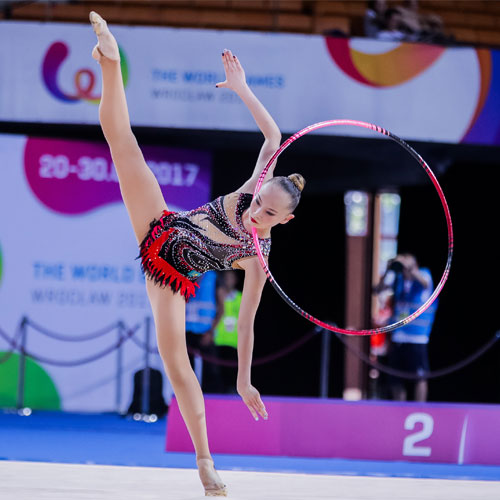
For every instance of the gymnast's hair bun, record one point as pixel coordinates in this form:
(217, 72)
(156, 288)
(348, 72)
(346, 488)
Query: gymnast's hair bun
(298, 181)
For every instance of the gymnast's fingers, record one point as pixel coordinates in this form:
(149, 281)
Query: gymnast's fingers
(237, 62)
(262, 410)
(225, 59)
(258, 407)
(230, 59)
(252, 411)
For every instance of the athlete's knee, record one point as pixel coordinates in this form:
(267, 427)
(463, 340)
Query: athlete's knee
(179, 373)
(176, 361)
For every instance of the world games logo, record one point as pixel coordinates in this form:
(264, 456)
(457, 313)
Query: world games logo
(394, 67)
(84, 80)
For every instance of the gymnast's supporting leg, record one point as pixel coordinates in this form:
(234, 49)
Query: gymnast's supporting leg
(144, 201)
(170, 327)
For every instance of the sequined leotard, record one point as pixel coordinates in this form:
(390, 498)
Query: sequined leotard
(181, 246)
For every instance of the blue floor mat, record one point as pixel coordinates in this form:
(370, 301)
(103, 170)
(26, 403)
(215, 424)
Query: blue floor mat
(109, 439)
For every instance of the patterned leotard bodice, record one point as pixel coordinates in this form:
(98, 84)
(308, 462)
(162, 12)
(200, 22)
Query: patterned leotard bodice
(181, 246)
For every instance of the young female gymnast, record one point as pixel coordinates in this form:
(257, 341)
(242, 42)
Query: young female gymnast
(176, 248)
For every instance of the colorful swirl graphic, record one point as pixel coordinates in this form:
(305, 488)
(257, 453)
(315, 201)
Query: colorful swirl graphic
(84, 79)
(388, 69)
(484, 127)
(407, 61)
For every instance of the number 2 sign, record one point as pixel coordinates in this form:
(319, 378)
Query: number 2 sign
(410, 448)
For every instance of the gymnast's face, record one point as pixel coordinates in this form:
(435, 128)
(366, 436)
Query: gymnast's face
(270, 207)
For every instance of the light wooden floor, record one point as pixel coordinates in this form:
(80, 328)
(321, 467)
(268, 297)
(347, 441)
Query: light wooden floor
(36, 480)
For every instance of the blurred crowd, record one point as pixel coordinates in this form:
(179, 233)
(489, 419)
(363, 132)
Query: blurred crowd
(403, 23)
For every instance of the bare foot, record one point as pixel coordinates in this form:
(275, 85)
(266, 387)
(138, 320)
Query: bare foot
(106, 43)
(214, 487)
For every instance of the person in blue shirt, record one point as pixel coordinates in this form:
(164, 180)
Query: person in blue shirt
(411, 286)
(200, 323)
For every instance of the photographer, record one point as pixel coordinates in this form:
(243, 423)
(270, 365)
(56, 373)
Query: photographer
(399, 24)
(411, 286)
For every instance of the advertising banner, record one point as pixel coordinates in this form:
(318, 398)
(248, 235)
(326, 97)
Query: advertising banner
(362, 430)
(417, 91)
(67, 253)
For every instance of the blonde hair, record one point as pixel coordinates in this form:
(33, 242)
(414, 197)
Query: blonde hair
(293, 185)
(298, 181)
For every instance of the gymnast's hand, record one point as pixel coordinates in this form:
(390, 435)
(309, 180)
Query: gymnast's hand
(235, 74)
(251, 397)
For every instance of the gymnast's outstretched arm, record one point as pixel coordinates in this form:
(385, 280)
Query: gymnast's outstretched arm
(235, 80)
(255, 279)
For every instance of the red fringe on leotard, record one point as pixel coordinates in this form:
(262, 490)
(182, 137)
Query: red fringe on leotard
(158, 269)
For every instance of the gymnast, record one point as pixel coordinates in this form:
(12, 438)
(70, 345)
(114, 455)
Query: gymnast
(178, 247)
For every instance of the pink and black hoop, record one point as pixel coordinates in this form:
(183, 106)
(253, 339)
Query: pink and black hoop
(423, 164)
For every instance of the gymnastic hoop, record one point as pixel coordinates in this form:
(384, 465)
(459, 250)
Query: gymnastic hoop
(423, 164)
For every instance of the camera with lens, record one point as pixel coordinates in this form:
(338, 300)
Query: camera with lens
(396, 266)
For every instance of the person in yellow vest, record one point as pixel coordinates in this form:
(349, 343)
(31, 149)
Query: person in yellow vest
(229, 298)
(226, 326)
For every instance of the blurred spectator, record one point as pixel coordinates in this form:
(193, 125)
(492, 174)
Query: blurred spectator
(432, 30)
(200, 322)
(400, 24)
(226, 329)
(228, 300)
(212, 329)
(374, 20)
(411, 286)
(403, 23)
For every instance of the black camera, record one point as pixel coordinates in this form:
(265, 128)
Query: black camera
(396, 266)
